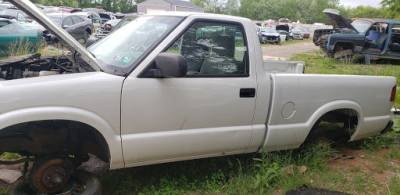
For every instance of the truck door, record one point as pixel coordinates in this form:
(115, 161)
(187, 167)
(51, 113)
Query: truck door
(207, 113)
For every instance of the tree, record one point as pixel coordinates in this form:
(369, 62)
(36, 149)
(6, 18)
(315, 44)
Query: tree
(231, 7)
(393, 10)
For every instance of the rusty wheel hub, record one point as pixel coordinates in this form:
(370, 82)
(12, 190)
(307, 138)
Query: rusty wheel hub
(50, 175)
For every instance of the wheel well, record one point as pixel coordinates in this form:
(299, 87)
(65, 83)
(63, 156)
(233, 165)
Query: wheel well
(335, 125)
(54, 137)
(88, 30)
(340, 46)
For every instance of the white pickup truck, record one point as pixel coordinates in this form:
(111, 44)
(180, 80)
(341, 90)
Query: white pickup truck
(171, 87)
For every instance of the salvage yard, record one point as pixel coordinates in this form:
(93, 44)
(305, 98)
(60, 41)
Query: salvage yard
(368, 166)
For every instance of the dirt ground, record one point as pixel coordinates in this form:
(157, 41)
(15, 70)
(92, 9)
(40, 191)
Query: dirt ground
(284, 52)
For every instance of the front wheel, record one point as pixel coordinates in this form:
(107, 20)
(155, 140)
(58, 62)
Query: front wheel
(81, 183)
(279, 41)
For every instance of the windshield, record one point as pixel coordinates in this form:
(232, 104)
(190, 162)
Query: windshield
(121, 50)
(268, 30)
(361, 25)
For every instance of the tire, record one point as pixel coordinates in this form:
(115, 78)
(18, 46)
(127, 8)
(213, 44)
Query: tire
(279, 41)
(22, 189)
(86, 36)
(91, 183)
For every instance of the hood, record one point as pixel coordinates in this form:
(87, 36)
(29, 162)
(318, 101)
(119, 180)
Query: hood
(270, 34)
(337, 20)
(68, 41)
(284, 27)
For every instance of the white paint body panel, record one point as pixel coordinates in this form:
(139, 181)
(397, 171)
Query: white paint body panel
(153, 120)
(367, 95)
(92, 98)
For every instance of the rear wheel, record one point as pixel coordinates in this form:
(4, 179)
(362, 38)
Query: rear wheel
(86, 36)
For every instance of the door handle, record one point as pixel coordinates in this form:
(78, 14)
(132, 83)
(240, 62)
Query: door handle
(247, 92)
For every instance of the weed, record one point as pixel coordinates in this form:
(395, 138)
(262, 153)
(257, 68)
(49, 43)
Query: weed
(8, 155)
(394, 185)
(4, 192)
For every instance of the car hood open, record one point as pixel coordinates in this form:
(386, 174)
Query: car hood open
(284, 27)
(270, 34)
(68, 41)
(337, 20)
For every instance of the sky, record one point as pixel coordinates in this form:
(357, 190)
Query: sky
(355, 3)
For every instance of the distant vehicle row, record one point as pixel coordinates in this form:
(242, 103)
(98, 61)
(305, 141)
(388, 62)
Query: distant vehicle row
(270, 34)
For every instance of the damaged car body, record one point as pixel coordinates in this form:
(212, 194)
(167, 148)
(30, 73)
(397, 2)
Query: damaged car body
(369, 38)
(269, 35)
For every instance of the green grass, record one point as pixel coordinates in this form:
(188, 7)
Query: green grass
(4, 192)
(8, 155)
(242, 174)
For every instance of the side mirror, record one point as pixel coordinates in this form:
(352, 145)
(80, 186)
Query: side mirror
(170, 65)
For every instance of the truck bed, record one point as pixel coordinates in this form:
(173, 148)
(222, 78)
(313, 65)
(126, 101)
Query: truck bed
(274, 66)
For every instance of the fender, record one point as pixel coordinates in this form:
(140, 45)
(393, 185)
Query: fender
(288, 136)
(74, 114)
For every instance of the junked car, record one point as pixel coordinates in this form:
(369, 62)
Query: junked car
(369, 38)
(15, 36)
(14, 14)
(101, 33)
(79, 26)
(306, 33)
(284, 29)
(94, 16)
(297, 34)
(106, 28)
(171, 87)
(4, 6)
(269, 35)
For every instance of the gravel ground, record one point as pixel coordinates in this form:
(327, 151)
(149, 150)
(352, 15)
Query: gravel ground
(284, 52)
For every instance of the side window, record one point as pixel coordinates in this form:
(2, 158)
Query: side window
(213, 49)
(67, 22)
(376, 36)
(21, 18)
(394, 44)
(76, 19)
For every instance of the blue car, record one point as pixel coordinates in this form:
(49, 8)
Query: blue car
(16, 37)
(370, 38)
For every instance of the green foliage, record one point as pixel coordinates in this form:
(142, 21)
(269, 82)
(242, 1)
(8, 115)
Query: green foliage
(393, 10)
(241, 174)
(394, 185)
(8, 155)
(363, 12)
(4, 192)
(307, 11)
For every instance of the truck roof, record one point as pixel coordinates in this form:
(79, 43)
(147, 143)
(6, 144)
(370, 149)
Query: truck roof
(381, 20)
(201, 15)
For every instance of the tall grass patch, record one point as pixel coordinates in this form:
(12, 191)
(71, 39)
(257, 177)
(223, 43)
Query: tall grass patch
(240, 174)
